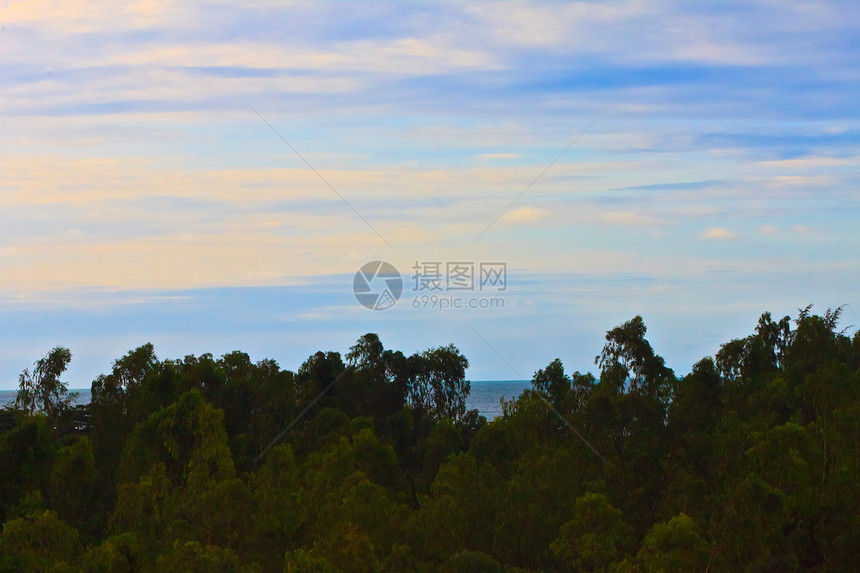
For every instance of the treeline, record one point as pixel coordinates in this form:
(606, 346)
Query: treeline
(370, 462)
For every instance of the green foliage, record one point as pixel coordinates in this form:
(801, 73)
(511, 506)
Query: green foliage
(187, 437)
(749, 462)
(473, 562)
(440, 387)
(117, 554)
(42, 390)
(117, 404)
(522, 536)
(674, 546)
(458, 512)
(195, 558)
(444, 440)
(596, 538)
(27, 455)
(628, 363)
(38, 542)
(74, 487)
(553, 383)
(344, 548)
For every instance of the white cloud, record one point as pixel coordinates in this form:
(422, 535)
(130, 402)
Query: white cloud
(629, 218)
(497, 156)
(82, 16)
(524, 216)
(812, 163)
(718, 233)
(401, 56)
(429, 126)
(653, 32)
(804, 181)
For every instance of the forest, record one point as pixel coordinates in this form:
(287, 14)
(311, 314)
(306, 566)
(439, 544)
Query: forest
(369, 461)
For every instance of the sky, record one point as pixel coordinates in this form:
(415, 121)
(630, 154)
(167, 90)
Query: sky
(210, 176)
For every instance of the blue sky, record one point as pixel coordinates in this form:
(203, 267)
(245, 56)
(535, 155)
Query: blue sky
(143, 199)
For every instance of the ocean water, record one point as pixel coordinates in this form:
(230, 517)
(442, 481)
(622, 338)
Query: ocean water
(484, 395)
(84, 396)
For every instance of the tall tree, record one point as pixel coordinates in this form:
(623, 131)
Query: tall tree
(595, 538)
(42, 390)
(628, 362)
(441, 388)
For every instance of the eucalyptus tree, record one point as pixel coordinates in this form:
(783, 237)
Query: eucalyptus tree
(42, 390)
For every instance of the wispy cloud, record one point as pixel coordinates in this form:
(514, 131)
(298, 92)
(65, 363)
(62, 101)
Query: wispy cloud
(130, 156)
(718, 233)
(629, 218)
(524, 216)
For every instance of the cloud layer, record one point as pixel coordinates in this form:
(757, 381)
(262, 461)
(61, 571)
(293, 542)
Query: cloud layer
(133, 157)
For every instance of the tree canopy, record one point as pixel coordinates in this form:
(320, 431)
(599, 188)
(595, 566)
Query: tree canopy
(372, 462)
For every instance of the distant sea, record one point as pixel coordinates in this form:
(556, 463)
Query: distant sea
(484, 395)
(84, 396)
